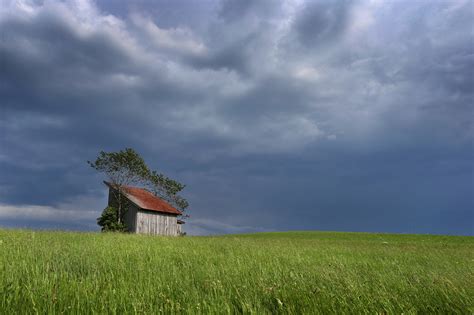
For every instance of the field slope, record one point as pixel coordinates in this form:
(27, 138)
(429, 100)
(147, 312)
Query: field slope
(292, 272)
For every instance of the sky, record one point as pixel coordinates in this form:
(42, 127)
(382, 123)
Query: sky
(277, 115)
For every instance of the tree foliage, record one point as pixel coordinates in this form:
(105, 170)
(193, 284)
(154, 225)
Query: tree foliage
(168, 189)
(123, 168)
(126, 167)
(108, 221)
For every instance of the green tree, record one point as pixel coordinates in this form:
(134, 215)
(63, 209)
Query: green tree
(122, 168)
(167, 189)
(109, 221)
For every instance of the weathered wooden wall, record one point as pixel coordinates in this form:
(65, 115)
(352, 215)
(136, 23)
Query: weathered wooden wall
(155, 223)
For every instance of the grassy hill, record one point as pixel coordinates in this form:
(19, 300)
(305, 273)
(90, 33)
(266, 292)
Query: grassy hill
(292, 272)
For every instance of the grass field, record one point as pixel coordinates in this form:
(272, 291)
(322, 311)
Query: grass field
(292, 272)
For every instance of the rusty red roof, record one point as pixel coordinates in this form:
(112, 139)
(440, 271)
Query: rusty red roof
(146, 200)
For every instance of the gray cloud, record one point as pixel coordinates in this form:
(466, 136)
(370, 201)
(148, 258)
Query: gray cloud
(321, 22)
(298, 115)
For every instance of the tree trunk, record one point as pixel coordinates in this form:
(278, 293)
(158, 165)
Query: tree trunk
(119, 210)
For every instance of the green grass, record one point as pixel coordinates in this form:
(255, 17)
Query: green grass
(294, 272)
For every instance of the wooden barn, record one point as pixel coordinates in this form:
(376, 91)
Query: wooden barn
(147, 213)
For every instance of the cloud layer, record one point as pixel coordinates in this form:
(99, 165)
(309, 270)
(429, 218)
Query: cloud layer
(351, 115)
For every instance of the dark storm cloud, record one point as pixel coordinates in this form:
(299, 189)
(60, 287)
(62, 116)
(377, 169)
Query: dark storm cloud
(321, 22)
(235, 10)
(240, 36)
(232, 10)
(319, 115)
(233, 58)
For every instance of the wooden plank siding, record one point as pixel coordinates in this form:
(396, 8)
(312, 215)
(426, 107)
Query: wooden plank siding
(155, 223)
